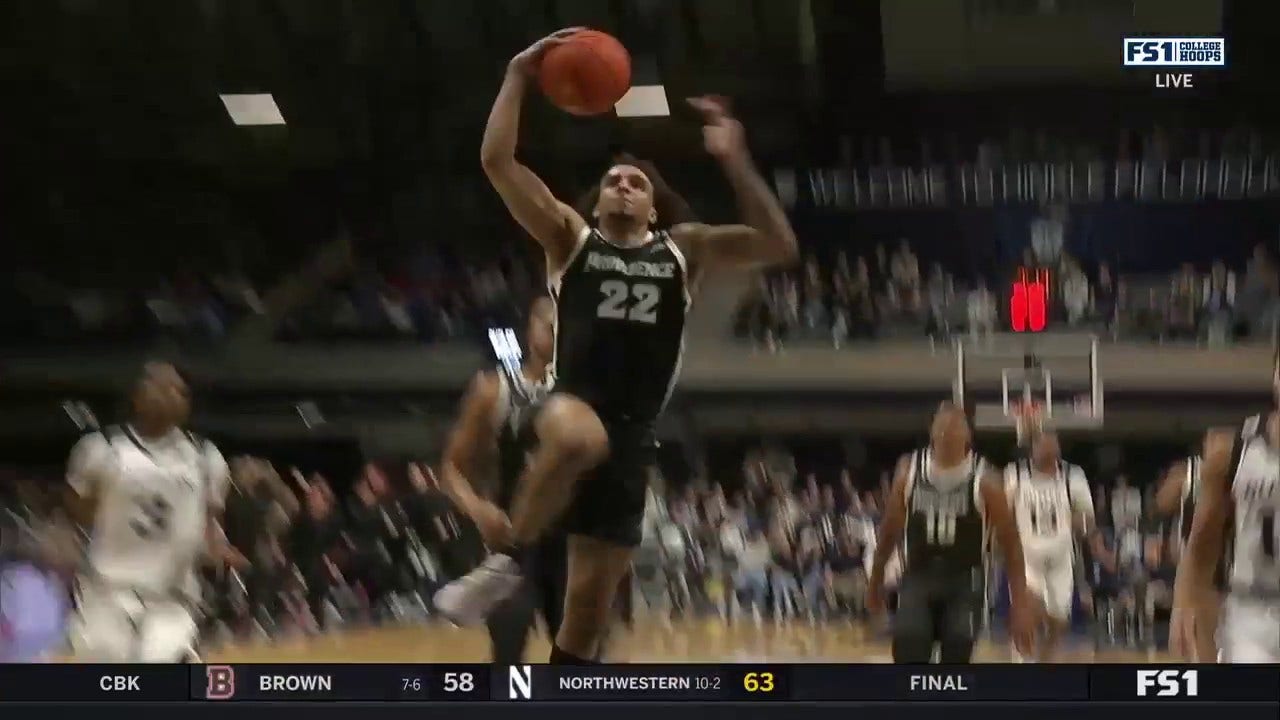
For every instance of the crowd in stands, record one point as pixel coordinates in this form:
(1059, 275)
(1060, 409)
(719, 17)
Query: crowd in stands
(770, 546)
(892, 293)
(432, 298)
(39, 308)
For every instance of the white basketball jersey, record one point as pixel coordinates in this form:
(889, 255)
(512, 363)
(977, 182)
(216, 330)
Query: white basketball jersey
(1255, 491)
(1043, 505)
(153, 498)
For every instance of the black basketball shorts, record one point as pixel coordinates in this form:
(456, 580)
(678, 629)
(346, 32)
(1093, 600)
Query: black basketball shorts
(609, 499)
(542, 592)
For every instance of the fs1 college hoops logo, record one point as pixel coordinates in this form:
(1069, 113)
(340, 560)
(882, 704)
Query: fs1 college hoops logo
(1172, 53)
(220, 682)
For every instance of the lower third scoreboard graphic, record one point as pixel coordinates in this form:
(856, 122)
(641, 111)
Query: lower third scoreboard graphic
(227, 684)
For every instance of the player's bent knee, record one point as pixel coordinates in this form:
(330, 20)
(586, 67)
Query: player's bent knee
(569, 426)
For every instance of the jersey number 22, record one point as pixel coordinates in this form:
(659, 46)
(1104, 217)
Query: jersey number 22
(637, 302)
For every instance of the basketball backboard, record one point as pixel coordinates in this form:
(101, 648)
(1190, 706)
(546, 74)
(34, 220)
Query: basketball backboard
(1057, 372)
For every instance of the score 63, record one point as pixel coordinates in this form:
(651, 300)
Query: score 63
(758, 682)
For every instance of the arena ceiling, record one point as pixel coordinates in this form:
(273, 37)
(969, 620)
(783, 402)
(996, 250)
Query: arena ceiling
(386, 80)
(114, 104)
(112, 127)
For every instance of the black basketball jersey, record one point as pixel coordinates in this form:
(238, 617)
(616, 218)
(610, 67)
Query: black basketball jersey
(620, 315)
(518, 398)
(1186, 515)
(946, 529)
(1190, 488)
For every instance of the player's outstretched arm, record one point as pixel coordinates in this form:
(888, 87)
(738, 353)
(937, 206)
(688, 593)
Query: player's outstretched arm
(1083, 520)
(553, 224)
(472, 433)
(1022, 615)
(1169, 492)
(1193, 584)
(891, 525)
(999, 518)
(765, 236)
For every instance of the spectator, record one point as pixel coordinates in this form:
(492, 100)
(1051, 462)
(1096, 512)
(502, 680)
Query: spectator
(846, 580)
(259, 508)
(783, 569)
(941, 293)
(905, 271)
(1105, 297)
(816, 319)
(374, 534)
(1219, 298)
(982, 312)
(1126, 504)
(1185, 302)
(751, 575)
(1259, 298)
(315, 543)
(862, 301)
(1075, 292)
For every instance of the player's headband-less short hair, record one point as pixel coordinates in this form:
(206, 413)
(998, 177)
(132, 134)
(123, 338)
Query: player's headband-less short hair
(670, 207)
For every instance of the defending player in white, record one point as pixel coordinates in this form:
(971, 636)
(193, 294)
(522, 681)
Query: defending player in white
(1052, 505)
(146, 491)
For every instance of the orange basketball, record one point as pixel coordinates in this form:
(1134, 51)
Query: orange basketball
(587, 75)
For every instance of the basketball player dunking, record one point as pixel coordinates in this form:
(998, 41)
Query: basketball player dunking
(495, 421)
(945, 498)
(147, 490)
(1176, 502)
(1240, 483)
(1052, 506)
(622, 283)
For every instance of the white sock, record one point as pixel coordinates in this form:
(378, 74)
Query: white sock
(1016, 656)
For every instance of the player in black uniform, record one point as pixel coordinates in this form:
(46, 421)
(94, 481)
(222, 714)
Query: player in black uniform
(495, 423)
(622, 282)
(1176, 504)
(945, 498)
(1206, 563)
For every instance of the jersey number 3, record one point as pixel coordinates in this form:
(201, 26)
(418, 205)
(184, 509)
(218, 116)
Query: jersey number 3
(152, 521)
(638, 302)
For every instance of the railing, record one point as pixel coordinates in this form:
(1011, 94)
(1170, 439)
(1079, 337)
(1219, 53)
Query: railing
(983, 185)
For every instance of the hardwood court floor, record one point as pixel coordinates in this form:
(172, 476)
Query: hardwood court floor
(694, 641)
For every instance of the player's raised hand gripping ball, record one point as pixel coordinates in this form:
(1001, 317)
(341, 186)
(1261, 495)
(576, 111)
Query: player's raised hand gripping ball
(585, 72)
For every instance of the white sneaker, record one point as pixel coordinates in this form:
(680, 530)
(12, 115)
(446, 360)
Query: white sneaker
(469, 599)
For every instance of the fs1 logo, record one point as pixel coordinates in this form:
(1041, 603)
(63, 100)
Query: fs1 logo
(1170, 683)
(1175, 52)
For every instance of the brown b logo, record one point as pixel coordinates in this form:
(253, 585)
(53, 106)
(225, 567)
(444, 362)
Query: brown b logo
(221, 682)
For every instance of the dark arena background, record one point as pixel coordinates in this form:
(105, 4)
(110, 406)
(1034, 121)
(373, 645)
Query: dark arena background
(284, 199)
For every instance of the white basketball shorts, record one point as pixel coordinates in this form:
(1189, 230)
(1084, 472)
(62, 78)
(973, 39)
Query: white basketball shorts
(112, 624)
(1249, 630)
(1051, 577)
